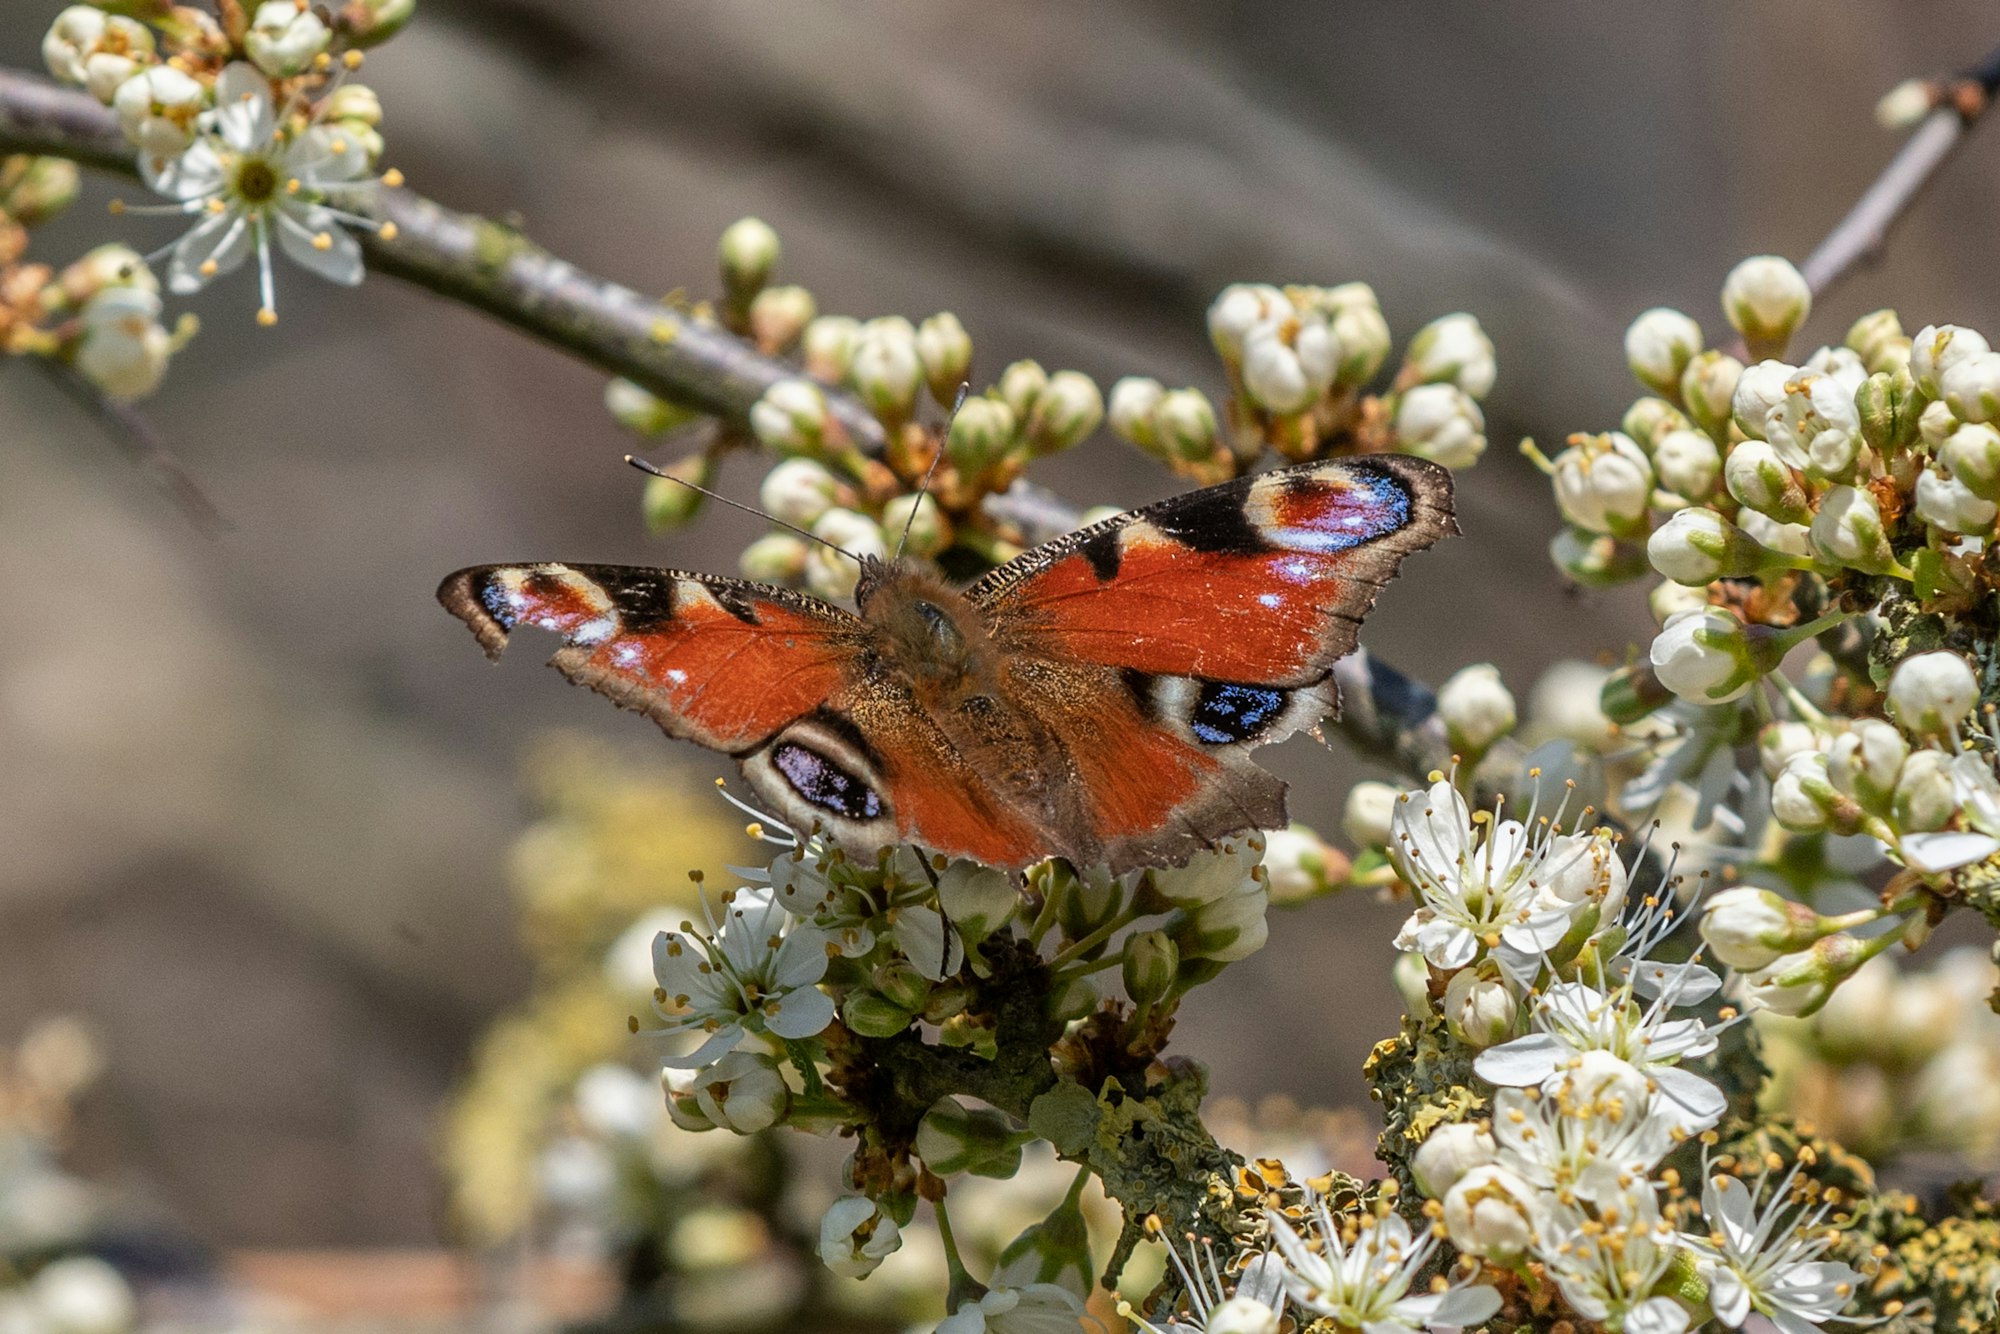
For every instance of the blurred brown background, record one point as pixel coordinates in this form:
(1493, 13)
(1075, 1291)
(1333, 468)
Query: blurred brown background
(255, 794)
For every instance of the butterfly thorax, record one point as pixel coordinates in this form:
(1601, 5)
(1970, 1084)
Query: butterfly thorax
(923, 628)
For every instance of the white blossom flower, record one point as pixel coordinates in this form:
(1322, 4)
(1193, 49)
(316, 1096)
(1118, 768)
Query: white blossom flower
(1255, 1307)
(886, 368)
(1448, 1153)
(1481, 885)
(1600, 1111)
(1572, 1018)
(855, 1237)
(1607, 1246)
(1241, 307)
(1766, 298)
(1038, 1308)
(1848, 530)
(744, 1092)
(1972, 455)
(1490, 1212)
(1816, 427)
(100, 51)
(1760, 391)
(1769, 1261)
(1971, 389)
(1932, 692)
(1362, 1279)
(1658, 346)
(791, 418)
(797, 491)
(254, 179)
(753, 974)
(1476, 706)
(1688, 463)
(1945, 502)
(1939, 347)
(1703, 655)
(833, 571)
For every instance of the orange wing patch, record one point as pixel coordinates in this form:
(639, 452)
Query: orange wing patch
(723, 663)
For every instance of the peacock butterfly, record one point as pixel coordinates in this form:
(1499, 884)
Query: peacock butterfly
(1094, 698)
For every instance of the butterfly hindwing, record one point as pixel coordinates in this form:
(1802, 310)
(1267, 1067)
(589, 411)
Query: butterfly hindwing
(719, 661)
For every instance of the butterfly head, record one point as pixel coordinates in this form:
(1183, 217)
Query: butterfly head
(921, 621)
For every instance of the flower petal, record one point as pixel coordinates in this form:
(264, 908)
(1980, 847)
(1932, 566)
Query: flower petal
(222, 240)
(720, 1044)
(801, 1014)
(1657, 1315)
(1522, 1062)
(1930, 853)
(1691, 1101)
(243, 112)
(315, 242)
(193, 174)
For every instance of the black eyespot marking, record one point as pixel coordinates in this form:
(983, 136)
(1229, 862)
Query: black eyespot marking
(1211, 520)
(825, 784)
(1225, 713)
(734, 602)
(1140, 686)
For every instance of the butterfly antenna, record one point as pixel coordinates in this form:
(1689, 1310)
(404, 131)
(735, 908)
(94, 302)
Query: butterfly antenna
(652, 471)
(925, 488)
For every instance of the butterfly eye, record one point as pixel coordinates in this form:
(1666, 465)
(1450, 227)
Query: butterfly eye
(824, 783)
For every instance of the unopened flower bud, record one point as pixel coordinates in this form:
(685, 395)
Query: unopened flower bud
(1480, 1011)
(918, 515)
(743, 1092)
(981, 434)
(1241, 307)
(284, 37)
(1938, 348)
(1355, 317)
(1924, 800)
(1055, 1252)
(954, 1138)
(1971, 389)
(976, 899)
(828, 345)
(157, 109)
(1448, 1153)
(1020, 387)
(1848, 531)
(1935, 425)
(1067, 410)
(775, 558)
(873, 1015)
(110, 265)
(1365, 816)
(1749, 928)
(1151, 959)
(1131, 411)
(1411, 977)
(886, 368)
(1866, 760)
(748, 252)
(641, 412)
(353, 102)
(1650, 418)
(1184, 427)
(666, 502)
(1766, 299)
(1799, 984)
(1300, 866)
(1804, 799)
(1879, 340)
(1708, 391)
(1705, 656)
(832, 574)
(1085, 902)
(365, 23)
(1943, 501)
(1885, 407)
(1904, 106)
(1476, 707)
(1759, 480)
(1442, 423)
(855, 1237)
(124, 350)
(1659, 345)
(1452, 348)
(778, 315)
(791, 417)
(1289, 363)
(798, 492)
(1227, 929)
(1687, 463)
(1668, 599)
(1604, 483)
(1930, 693)
(1697, 546)
(1595, 560)
(1972, 453)
(945, 349)
(1777, 742)
(36, 189)
(1489, 1212)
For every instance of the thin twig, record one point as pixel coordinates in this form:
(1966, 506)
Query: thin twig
(1861, 235)
(141, 442)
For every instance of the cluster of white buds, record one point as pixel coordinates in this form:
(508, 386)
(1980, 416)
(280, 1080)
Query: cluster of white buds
(1298, 360)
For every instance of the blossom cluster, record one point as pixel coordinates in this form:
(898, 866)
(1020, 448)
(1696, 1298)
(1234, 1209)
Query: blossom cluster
(247, 122)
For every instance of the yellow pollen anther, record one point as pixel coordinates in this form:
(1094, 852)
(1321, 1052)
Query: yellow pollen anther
(388, 231)
(267, 317)
(323, 241)
(392, 178)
